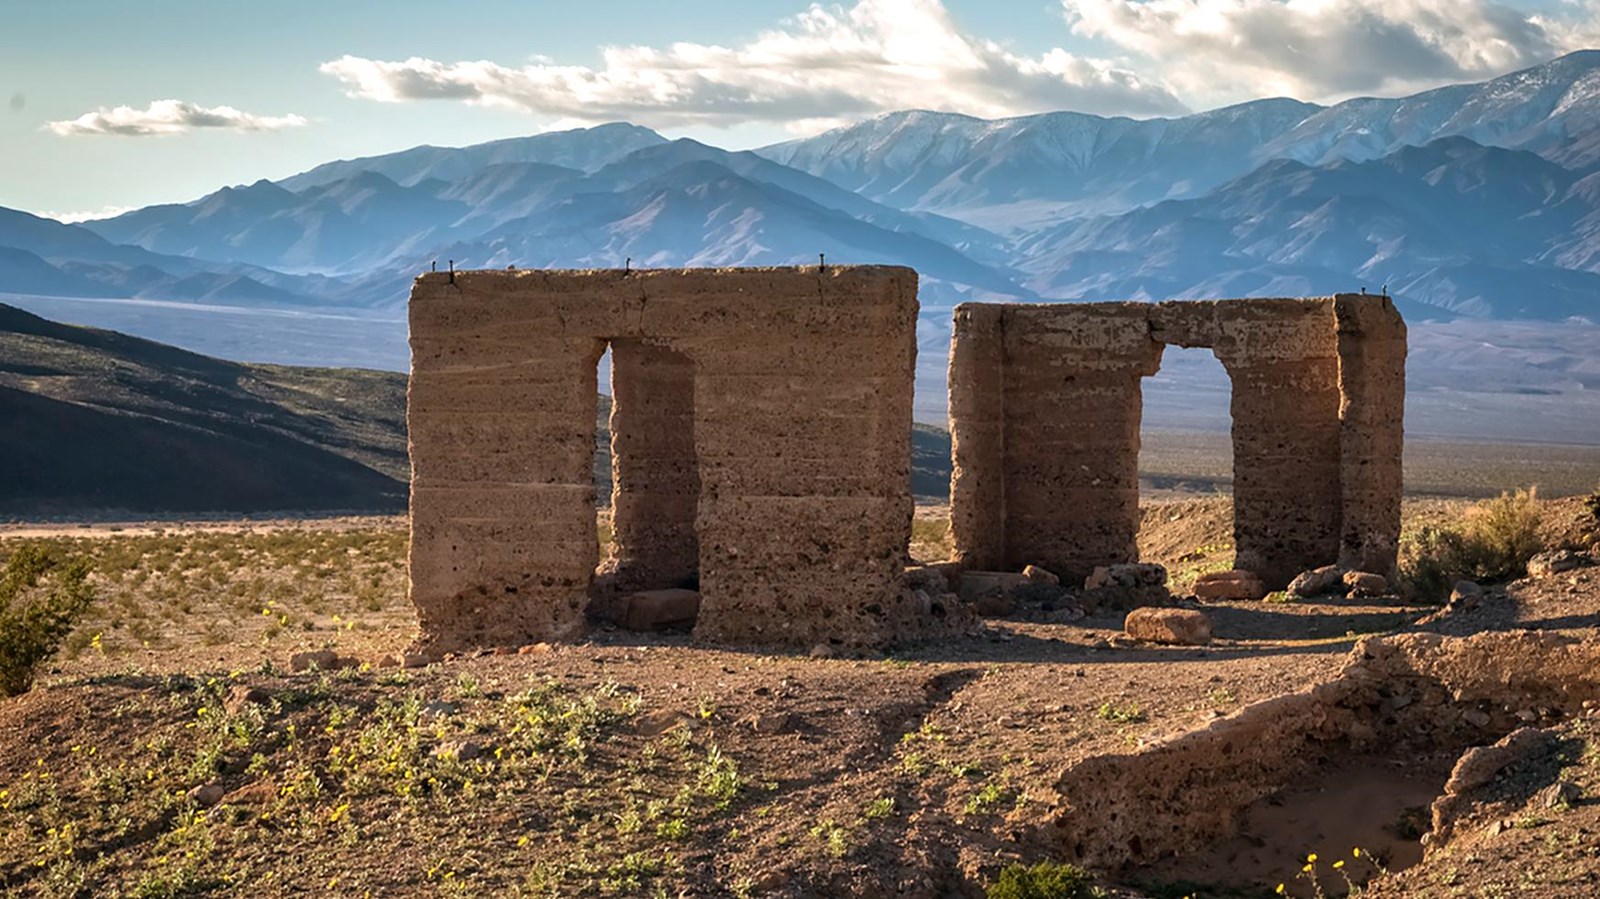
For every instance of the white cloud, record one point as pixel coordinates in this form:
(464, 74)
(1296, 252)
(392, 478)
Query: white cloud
(826, 65)
(1213, 50)
(164, 117)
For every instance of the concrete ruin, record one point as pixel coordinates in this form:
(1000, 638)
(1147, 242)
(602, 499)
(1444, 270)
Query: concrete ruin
(759, 432)
(1045, 408)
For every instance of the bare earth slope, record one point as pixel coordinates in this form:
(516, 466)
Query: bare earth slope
(98, 420)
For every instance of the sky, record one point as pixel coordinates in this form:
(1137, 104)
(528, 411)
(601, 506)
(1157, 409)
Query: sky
(115, 104)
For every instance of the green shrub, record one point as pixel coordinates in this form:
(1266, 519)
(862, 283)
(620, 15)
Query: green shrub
(41, 599)
(1494, 541)
(1045, 880)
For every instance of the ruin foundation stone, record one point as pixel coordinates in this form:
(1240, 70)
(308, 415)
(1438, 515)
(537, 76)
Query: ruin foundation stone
(1045, 405)
(758, 429)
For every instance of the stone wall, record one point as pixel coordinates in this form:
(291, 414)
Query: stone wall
(1045, 404)
(759, 427)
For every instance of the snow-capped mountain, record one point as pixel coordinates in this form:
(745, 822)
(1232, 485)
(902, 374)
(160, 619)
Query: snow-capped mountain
(1013, 175)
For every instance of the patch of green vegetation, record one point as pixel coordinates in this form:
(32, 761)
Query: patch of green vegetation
(1120, 713)
(1045, 880)
(42, 597)
(1493, 541)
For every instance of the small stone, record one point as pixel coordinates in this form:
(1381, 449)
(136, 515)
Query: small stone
(1129, 575)
(1466, 594)
(1180, 627)
(390, 661)
(437, 708)
(258, 793)
(994, 605)
(242, 695)
(415, 660)
(1546, 564)
(1039, 576)
(1365, 583)
(1558, 795)
(206, 795)
(1318, 582)
(1475, 718)
(658, 722)
(657, 610)
(504, 651)
(823, 651)
(770, 723)
(321, 659)
(458, 750)
(1230, 585)
(534, 649)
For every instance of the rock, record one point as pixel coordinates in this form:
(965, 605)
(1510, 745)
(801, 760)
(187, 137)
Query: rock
(933, 579)
(415, 660)
(391, 660)
(243, 695)
(321, 659)
(1476, 718)
(994, 605)
(1130, 574)
(975, 584)
(1466, 594)
(1180, 627)
(1480, 764)
(206, 795)
(458, 750)
(657, 610)
(658, 722)
(1237, 584)
(259, 793)
(1563, 794)
(1039, 576)
(770, 723)
(1318, 582)
(534, 649)
(437, 708)
(823, 651)
(1365, 583)
(1546, 564)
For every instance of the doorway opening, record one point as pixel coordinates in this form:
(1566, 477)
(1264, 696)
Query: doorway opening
(1186, 466)
(652, 564)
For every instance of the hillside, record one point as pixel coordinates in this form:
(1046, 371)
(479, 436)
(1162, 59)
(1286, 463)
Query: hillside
(100, 421)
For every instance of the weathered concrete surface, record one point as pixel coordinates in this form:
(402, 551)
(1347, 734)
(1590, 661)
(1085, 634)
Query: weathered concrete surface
(1045, 403)
(759, 432)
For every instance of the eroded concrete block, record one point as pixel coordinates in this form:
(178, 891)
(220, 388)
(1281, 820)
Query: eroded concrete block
(759, 435)
(1045, 403)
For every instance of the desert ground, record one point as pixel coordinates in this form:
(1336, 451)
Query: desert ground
(169, 750)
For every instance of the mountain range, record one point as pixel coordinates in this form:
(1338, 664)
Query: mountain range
(1475, 201)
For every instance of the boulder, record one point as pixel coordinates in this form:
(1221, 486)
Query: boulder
(1178, 627)
(1237, 584)
(1365, 583)
(458, 750)
(1546, 564)
(1038, 575)
(974, 584)
(655, 610)
(1318, 582)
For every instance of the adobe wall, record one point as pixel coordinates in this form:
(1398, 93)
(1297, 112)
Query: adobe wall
(759, 423)
(1045, 408)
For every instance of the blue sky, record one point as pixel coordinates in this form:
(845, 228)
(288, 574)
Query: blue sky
(265, 89)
